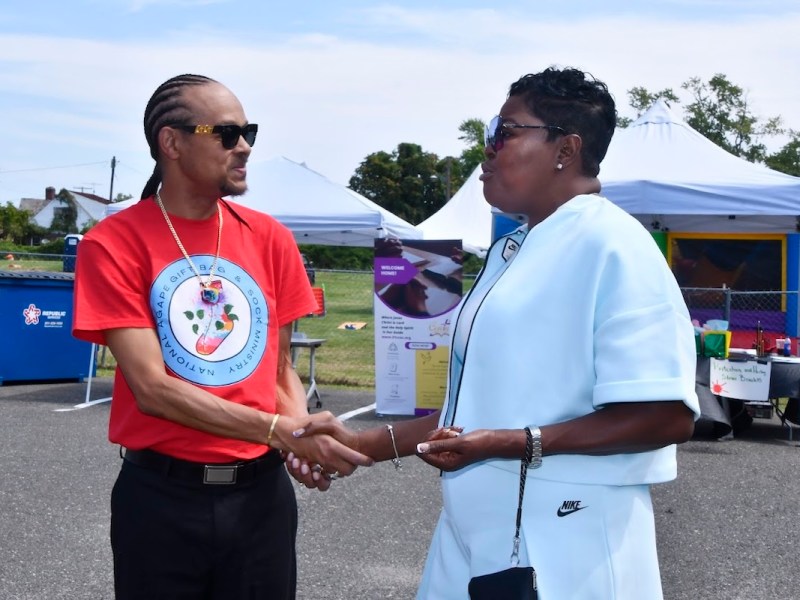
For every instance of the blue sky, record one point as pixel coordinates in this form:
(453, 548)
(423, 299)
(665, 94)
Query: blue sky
(330, 81)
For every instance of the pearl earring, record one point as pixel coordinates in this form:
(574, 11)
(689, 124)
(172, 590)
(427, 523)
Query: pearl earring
(559, 166)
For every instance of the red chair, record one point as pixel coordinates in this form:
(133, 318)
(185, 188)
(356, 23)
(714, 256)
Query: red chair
(319, 296)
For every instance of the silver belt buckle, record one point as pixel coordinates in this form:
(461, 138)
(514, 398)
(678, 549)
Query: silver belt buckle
(219, 475)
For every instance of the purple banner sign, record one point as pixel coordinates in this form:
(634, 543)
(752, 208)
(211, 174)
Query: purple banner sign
(394, 270)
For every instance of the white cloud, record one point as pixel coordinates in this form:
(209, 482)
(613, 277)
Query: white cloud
(330, 101)
(139, 5)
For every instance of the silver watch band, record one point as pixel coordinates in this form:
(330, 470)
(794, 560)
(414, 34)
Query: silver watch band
(536, 455)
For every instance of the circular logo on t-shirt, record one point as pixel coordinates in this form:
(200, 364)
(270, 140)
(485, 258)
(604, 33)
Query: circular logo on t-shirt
(214, 335)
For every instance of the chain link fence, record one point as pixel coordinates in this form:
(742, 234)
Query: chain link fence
(347, 357)
(31, 261)
(775, 311)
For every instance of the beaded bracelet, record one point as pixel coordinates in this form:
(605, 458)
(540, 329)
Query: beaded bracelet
(398, 464)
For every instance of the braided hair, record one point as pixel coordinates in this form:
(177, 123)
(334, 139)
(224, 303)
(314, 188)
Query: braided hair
(167, 106)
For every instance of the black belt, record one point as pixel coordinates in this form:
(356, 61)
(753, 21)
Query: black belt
(209, 474)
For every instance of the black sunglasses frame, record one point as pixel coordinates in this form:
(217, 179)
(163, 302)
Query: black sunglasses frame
(496, 139)
(228, 134)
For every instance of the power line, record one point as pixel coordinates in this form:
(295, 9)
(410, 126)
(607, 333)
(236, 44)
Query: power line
(130, 168)
(52, 168)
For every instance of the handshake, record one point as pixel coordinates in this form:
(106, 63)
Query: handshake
(319, 448)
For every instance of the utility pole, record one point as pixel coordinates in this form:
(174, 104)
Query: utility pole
(111, 189)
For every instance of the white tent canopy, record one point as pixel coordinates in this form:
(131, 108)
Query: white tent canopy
(668, 176)
(315, 209)
(661, 170)
(467, 217)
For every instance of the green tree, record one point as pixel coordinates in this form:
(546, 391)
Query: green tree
(787, 159)
(14, 223)
(122, 197)
(408, 182)
(641, 99)
(65, 215)
(472, 131)
(720, 112)
(88, 225)
(17, 226)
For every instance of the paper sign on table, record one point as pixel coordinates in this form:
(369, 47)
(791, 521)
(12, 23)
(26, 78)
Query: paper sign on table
(745, 380)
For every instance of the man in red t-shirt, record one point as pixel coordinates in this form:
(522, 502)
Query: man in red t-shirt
(195, 297)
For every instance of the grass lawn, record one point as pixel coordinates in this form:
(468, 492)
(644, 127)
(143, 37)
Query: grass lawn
(346, 359)
(37, 264)
(348, 356)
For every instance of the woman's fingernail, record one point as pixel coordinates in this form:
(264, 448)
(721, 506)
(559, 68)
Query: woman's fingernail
(423, 448)
(298, 432)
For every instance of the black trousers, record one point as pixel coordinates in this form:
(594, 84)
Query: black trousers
(184, 541)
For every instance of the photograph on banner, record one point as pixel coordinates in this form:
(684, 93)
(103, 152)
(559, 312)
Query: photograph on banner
(419, 278)
(418, 284)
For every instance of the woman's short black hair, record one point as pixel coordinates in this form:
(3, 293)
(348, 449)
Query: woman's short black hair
(576, 102)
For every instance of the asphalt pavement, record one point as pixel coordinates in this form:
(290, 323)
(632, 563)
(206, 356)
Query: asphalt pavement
(727, 527)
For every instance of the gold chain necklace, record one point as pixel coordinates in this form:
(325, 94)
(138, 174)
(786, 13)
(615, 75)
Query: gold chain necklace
(208, 293)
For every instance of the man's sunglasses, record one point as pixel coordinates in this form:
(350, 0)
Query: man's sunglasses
(496, 131)
(228, 134)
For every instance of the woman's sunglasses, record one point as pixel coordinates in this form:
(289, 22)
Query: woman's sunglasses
(496, 131)
(228, 134)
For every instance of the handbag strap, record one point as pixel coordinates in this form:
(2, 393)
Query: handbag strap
(523, 475)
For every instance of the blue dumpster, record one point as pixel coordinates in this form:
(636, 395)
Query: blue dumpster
(71, 251)
(36, 321)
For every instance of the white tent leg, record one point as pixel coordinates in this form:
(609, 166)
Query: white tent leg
(91, 372)
(86, 402)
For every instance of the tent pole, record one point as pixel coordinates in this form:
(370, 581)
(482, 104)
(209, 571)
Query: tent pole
(91, 371)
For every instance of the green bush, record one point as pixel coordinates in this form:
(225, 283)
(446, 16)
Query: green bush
(338, 257)
(6, 247)
(361, 259)
(54, 247)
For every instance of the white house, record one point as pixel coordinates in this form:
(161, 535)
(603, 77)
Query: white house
(90, 207)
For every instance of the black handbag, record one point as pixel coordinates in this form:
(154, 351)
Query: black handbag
(515, 583)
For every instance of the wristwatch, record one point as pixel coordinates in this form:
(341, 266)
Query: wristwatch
(536, 454)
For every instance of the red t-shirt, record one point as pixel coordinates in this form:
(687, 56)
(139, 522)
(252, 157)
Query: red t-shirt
(131, 273)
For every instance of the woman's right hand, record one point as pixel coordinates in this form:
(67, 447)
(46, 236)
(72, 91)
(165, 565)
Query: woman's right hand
(450, 452)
